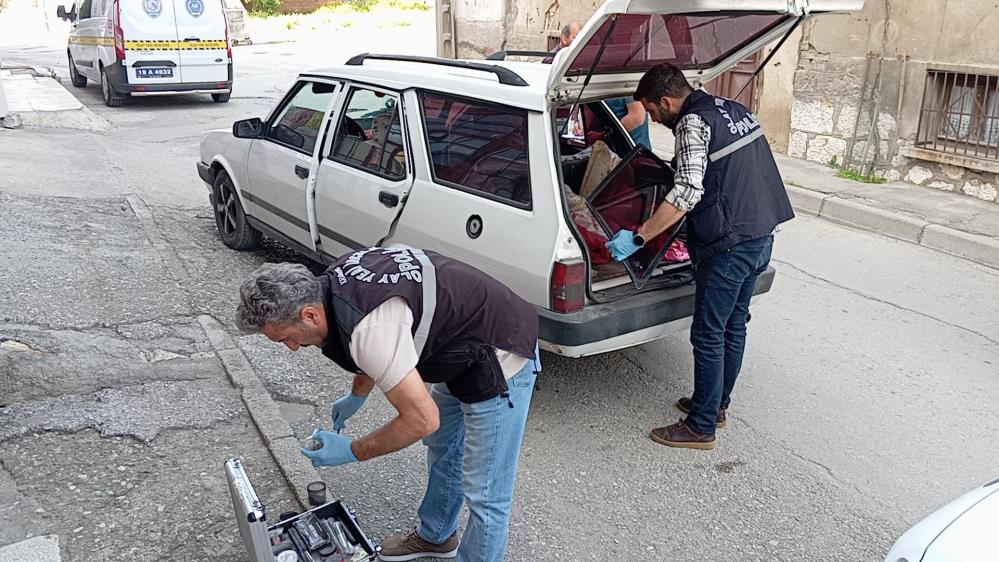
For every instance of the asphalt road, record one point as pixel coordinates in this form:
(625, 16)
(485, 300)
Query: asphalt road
(866, 400)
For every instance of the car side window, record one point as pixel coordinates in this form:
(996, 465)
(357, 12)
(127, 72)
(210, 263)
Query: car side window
(85, 9)
(369, 134)
(297, 124)
(478, 147)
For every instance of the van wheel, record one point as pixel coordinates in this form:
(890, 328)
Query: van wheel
(230, 219)
(111, 97)
(78, 79)
(220, 98)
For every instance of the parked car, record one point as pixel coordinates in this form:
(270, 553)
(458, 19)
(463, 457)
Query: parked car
(478, 160)
(964, 529)
(149, 48)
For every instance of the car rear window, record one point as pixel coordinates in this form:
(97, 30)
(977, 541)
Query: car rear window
(478, 147)
(640, 41)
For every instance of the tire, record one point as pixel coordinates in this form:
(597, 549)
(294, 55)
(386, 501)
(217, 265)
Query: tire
(111, 97)
(78, 80)
(230, 220)
(220, 98)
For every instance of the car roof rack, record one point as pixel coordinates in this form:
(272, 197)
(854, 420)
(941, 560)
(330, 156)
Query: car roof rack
(505, 75)
(501, 55)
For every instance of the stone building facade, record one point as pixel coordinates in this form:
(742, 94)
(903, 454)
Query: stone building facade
(905, 89)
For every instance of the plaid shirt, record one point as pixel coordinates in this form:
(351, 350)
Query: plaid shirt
(691, 160)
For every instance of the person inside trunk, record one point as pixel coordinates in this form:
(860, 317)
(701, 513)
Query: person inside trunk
(728, 186)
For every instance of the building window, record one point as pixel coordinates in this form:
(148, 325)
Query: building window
(960, 114)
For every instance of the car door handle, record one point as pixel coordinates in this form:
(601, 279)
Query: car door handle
(192, 39)
(301, 171)
(388, 199)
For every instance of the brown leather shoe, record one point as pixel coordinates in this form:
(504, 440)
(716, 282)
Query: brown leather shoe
(680, 435)
(683, 405)
(410, 546)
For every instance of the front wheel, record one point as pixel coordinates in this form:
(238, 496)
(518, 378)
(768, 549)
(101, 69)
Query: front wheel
(230, 219)
(78, 80)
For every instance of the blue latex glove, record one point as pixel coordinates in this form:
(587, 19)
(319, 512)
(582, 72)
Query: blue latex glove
(622, 245)
(345, 407)
(334, 452)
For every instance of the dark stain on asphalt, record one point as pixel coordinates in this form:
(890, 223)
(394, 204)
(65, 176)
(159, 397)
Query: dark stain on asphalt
(728, 467)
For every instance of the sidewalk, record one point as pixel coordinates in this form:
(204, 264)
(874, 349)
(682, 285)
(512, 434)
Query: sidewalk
(952, 223)
(34, 97)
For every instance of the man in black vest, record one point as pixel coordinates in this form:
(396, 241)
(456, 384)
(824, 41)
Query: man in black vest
(728, 186)
(399, 318)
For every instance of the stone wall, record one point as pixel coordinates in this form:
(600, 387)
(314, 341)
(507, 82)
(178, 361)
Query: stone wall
(871, 67)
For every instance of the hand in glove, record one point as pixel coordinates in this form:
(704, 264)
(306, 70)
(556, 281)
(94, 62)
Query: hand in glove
(622, 245)
(345, 407)
(334, 452)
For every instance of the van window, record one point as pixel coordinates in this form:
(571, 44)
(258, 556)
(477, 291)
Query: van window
(478, 147)
(369, 135)
(297, 124)
(85, 9)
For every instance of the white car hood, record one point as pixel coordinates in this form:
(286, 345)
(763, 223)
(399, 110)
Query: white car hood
(964, 530)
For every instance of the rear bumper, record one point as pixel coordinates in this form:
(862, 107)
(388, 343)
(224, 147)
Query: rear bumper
(118, 76)
(599, 328)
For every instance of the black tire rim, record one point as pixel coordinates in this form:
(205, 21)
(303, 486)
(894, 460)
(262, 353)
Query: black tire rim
(225, 210)
(105, 86)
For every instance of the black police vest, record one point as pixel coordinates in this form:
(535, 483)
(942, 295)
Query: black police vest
(744, 197)
(460, 315)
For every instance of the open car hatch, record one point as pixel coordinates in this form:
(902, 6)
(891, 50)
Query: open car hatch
(704, 38)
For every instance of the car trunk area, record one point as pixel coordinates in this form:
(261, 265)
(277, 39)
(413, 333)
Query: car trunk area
(609, 184)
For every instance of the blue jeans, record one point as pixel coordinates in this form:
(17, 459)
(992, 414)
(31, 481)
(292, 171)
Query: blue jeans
(472, 458)
(724, 284)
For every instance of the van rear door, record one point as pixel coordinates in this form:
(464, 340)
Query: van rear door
(204, 49)
(151, 46)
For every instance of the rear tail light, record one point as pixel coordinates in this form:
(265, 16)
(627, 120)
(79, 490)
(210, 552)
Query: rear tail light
(568, 292)
(228, 43)
(119, 35)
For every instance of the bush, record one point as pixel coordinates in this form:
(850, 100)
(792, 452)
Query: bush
(418, 5)
(265, 7)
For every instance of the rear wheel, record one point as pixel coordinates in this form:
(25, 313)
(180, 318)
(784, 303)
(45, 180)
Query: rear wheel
(111, 97)
(220, 98)
(230, 219)
(79, 80)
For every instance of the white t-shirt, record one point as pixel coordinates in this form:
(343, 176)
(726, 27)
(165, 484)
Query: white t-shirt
(382, 345)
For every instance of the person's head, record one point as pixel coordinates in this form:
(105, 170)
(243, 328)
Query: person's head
(283, 301)
(569, 32)
(662, 91)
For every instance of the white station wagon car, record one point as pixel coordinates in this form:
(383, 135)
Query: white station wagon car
(518, 168)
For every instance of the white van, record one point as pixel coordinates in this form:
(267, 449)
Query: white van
(150, 47)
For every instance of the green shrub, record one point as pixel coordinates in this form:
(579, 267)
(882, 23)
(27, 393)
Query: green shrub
(418, 5)
(265, 7)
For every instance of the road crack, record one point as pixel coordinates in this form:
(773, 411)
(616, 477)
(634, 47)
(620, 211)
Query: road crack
(870, 297)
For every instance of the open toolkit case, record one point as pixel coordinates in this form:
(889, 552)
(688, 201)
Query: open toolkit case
(327, 533)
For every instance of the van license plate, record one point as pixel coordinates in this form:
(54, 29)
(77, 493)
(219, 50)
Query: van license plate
(153, 72)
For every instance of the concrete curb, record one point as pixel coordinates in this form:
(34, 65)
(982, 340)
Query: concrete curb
(38, 549)
(275, 430)
(982, 249)
(851, 212)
